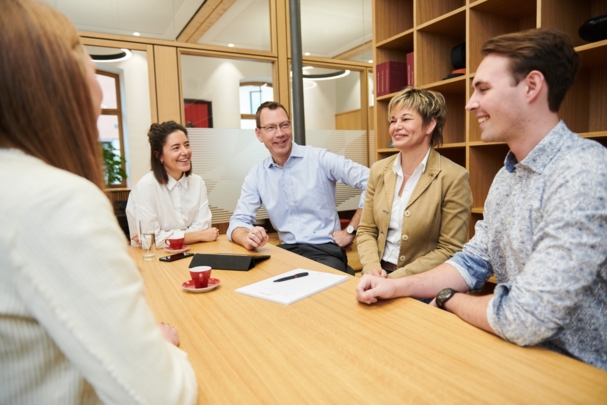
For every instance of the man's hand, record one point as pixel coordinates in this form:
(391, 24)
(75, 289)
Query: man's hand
(343, 238)
(371, 288)
(379, 272)
(257, 237)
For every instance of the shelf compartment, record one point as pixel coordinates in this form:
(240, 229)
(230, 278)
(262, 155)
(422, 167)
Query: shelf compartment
(484, 163)
(593, 55)
(456, 154)
(394, 49)
(569, 15)
(391, 17)
(583, 109)
(429, 10)
(433, 46)
(454, 91)
(490, 19)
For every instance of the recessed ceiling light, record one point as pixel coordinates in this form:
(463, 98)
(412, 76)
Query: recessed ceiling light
(124, 54)
(307, 53)
(231, 45)
(327, 76)
(370, 60)
(136, 34)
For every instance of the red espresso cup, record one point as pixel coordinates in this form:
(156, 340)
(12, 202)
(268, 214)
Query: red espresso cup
(174, 244)
(200, 276)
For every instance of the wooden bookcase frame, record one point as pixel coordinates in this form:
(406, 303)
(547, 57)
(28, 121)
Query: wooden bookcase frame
(431, 28)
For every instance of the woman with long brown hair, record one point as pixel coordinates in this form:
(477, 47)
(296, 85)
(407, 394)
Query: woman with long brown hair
(75, 325)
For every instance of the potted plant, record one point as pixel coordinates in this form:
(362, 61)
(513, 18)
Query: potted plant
(113, 165)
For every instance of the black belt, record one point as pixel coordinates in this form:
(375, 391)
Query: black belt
(388, 266)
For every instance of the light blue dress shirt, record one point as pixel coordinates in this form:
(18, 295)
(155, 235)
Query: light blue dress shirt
(544, 236)
(299, 197)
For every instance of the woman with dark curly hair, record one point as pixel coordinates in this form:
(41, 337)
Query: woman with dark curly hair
(170, 196)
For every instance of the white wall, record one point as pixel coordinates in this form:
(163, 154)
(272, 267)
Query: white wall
(319, 105)
(348, 90)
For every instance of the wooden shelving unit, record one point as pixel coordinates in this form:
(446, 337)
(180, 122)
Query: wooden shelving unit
(431, 28)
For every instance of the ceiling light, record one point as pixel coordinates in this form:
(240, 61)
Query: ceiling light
(307, 53)
(327, 76)
(136, 34)
(370, 60)
(124, 54)
(231, 45)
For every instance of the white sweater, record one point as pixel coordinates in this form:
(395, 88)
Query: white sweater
(74, 324)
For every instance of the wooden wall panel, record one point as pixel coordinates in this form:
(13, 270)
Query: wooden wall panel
(168, 90)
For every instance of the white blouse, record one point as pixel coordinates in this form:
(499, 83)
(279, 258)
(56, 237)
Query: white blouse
(399, 204)
(175, 208)
(74, 321)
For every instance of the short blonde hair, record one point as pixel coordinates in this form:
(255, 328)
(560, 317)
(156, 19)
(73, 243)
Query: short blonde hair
(429, 104)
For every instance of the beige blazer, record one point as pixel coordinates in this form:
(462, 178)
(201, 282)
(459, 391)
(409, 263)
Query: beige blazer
(435, 221)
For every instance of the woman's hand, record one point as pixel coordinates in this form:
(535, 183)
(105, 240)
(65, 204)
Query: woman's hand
(209, 235)
(135, 239)
(377, 272)
(169, 333)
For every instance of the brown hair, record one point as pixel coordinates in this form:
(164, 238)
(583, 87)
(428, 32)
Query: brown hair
(157, 136)
(546, 50)
(270, 105)
(45, 101)
(429, 104)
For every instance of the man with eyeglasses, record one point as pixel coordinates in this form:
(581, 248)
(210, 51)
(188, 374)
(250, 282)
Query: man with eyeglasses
(297, 185)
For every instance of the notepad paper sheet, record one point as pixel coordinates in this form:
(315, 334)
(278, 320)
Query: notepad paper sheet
(290, 291)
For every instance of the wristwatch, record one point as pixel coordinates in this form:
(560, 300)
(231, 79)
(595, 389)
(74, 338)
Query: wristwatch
(443, 296)
(350, 230)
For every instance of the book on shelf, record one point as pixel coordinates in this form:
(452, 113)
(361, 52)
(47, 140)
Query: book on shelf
(410, 75)
(391, 77)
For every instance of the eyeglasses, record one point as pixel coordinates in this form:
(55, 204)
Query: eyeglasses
(272, 128)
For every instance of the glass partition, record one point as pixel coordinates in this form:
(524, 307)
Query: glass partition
(335, 120)
(224, 152)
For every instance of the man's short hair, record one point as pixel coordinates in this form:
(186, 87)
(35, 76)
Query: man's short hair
(429, 104)
(546, 50)
(270, 105)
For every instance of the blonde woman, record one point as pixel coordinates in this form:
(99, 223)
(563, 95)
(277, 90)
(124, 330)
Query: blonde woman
(417, 207)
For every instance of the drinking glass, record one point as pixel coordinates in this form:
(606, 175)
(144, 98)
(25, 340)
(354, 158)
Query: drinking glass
(147, 232)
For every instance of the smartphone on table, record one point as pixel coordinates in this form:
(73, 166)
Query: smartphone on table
(177, 256)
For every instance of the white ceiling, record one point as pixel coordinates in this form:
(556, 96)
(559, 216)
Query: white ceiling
(329, 27)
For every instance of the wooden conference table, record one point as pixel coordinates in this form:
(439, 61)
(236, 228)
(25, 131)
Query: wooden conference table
(329, 349)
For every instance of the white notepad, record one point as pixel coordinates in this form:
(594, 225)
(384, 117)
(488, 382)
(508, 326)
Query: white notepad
(290, 291)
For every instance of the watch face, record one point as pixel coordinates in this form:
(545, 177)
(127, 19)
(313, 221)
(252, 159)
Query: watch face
(443, 296)
(350, 229)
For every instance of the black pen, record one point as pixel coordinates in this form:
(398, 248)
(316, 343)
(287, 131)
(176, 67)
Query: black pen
(291, 277)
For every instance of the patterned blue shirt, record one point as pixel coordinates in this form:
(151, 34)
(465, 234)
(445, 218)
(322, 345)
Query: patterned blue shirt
(299, 197)
(544, 237)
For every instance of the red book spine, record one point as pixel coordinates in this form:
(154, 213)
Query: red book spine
(410, 65)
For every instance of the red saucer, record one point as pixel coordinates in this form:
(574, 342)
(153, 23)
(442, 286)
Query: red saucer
(189, 285)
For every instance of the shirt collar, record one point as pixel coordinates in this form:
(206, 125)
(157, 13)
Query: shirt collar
(172, 183)
(297, 151)
(398, 170)
(543, 153)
